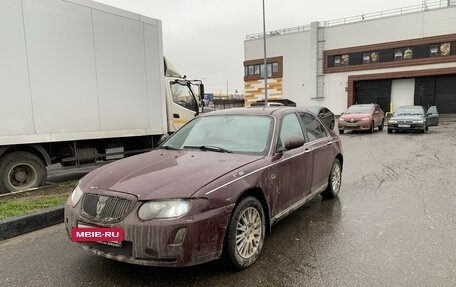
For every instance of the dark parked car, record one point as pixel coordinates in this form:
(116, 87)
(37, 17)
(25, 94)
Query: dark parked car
(324, 114)
(408, 118)
(215, 186)
(362, 117)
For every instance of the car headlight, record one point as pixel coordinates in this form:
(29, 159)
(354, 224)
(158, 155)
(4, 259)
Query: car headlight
(76, 195)
(341, 119)
(164, 209)
(418, 122)
(365, 119)
(392, 122)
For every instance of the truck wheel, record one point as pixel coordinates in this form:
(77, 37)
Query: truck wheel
(21, 170)
(245, 233)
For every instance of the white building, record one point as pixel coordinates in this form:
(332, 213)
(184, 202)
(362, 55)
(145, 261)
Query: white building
(395, 57)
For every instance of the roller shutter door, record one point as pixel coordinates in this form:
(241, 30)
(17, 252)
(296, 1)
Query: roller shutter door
(445, 94)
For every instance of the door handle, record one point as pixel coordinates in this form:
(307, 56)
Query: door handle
(306, 150)
(329, 143)
(176, 116)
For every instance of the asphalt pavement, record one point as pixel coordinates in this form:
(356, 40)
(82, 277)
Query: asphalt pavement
(393, 225)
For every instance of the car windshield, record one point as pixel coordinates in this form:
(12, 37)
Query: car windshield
(359, 109)
(224, 133)
(409, 111)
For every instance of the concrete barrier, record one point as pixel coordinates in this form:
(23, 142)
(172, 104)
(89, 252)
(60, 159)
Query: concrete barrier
(19, 225)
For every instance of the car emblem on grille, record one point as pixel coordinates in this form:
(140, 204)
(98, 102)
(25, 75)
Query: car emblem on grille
(351, 120)
(101, 204)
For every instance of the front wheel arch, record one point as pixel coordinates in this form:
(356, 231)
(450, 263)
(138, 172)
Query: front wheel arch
(258, 193)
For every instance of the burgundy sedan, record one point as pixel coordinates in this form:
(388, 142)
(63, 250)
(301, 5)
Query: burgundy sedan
(215, 187)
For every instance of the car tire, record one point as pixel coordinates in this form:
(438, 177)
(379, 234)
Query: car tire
(334, 181)
(380, 127)
(371, 130)
(248, 224)
(331, 126)
(390, 131)
(427, 128)
(341, 131)
(21, 170)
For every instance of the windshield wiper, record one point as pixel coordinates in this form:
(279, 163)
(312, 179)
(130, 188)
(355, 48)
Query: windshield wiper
(209, 147)
(169, 147)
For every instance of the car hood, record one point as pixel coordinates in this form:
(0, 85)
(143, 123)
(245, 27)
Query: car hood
(164, 174)
(407, 118)
(348, 117)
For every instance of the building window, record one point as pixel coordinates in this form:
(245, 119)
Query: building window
(433, 50)
(275, 68)
(445, 49)
(374, 57)
(345, 60)
(255, 70)
(397, 54)
(251, 70)
(422, 50)
(408, 53)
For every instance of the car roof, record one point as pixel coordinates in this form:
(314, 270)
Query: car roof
(410, 107)
(273, 111)
(364, 105)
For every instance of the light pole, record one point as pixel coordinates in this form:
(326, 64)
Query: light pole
(265, 61)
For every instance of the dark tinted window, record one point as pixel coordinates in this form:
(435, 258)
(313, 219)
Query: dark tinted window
(314, 129)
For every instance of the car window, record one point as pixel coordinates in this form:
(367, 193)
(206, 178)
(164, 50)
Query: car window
(314, 129)
(183, 96)
(359, 109)
(290, 127)
(433, 110)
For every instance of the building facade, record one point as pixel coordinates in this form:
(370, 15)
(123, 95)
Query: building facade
(393, 58)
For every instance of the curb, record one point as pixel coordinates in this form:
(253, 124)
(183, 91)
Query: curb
(19, 225)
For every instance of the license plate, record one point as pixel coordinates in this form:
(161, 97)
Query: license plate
(352, 125)
(111, 243)
(403, 126)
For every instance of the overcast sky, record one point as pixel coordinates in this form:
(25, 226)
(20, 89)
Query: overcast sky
(205, 38)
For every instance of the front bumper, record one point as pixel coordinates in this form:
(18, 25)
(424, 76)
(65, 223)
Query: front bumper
(152, 243)
(406, 127)
(364, 125)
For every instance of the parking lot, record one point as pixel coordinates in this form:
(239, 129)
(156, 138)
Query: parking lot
(393, 225)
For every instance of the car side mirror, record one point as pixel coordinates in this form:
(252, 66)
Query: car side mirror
(162, 139)
(293, 142)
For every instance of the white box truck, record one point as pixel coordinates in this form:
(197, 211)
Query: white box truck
(82, 82)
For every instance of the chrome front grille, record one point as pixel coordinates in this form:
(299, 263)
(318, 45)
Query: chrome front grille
(104, 208)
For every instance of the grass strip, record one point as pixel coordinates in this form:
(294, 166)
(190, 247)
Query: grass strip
(10, 208)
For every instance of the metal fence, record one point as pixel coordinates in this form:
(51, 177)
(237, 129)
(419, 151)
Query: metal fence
(425, 6)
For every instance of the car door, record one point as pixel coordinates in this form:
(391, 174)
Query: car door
(183, 105)
(294, 167)
(432, 116)
(318, 144)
